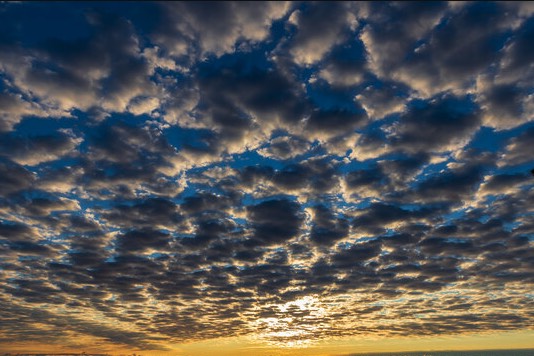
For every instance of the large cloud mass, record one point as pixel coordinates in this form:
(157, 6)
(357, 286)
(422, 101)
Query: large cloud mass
(174, 172)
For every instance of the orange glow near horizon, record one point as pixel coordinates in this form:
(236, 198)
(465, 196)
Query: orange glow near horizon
(242, 346)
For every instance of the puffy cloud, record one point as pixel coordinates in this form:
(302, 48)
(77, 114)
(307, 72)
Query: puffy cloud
(516, 151)
(441, 124)
(457, 48)
(516, 64)
(506, 96)
(216, 28)
(346, 65)
(14, 178)
(38, 149)
(320, 26)
(153, 212)
(242, 106)
(380, 216)
(335, 121)
(454, 185)
(394, 29)
(382, 100)
(99, 70)
(13, 108)
(141, 240)
(503, 183)
(327, 228)
(17, 231)
(275, 221)
(285, 147)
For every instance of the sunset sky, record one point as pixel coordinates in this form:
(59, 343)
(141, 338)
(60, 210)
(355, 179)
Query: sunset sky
(267, 178)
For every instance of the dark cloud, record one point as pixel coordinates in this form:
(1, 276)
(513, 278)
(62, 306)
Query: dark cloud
(519, 53)
(215, 28)
(327, 228)
(320, 26)
(438, 245)
(439, 49)
(241, 90)
(465, 44)
(336, 121)
(275, 221)
(124, 143)
(313, 177)
(14, 177)
(376, 218)
(82, 223)
(13, 108)
(402, 170)
(439, 124)
(450, 186)
(17, 231)
(395, 27)
(355, 255)
(209, 228)
(37, 149)
(318, 175)
(504, 183)
(142, 240)
(30, 248)
(346, 65)
(505, 100)
(366, 181)
(102, 69)
(517, 149)
(43, 208)
(151, 212)
(285, 147)
(207, 201)
(383, 99)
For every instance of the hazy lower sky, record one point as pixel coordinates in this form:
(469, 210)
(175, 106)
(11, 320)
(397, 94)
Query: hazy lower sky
(266, 178)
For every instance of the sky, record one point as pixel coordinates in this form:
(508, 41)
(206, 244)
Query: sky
(266, 178)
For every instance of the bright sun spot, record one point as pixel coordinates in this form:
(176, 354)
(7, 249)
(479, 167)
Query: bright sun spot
(295, 324)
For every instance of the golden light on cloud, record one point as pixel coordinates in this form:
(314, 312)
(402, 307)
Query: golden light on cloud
(295, 325)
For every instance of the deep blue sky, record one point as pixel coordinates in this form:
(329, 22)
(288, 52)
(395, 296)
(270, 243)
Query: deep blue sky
(197, 170)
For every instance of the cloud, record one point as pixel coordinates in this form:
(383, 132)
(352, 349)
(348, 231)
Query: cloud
(517, 148)
(285, 147)
(101, 70)
(394, 29)
(29, 150)
(444, 123)
(141, 240)
(153, 212)
(454, 49)
(335, 121)
(380, 216)
(327, 228)
(319, 28)
(368, 182)
(17, 231)
(14, 108)
(503, 183)
(275, 221)
(284, 172)
(15, 178)
(216, 28)
(346, 64)
(380, 101)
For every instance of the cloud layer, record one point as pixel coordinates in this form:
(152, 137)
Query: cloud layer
(286, 171)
